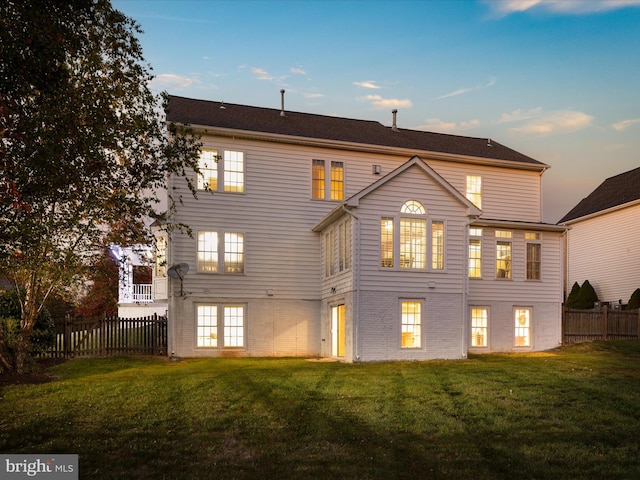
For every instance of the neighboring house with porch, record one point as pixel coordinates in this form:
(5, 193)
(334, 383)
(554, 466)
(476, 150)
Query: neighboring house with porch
(325, 236)
(601, 240)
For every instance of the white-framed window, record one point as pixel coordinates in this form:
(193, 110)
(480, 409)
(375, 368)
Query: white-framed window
(479, 326)
(220, 252)
(503, 254)
(386, 242)
(337, 248)
(411, 323)
(437, 245)
(522, 317)
(220, 326)
(474, 190)
(320, 188)
(411, 247)
(475, 253)
(534, 255)
(228, 165)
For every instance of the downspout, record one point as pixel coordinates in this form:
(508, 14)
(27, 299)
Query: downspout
(465, 290)
(355, 245)
(171, 324)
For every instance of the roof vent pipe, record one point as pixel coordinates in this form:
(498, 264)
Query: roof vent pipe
(394, 127)
(282, 103)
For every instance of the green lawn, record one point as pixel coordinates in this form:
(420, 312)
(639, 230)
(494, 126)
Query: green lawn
(573, 413)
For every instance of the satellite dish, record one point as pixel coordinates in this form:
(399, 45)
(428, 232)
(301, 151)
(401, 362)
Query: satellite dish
(178, 271)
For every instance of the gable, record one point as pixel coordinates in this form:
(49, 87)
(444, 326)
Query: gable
(405, 170)
(613, 192)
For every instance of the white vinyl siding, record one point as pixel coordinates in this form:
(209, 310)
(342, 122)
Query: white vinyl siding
(605, 250)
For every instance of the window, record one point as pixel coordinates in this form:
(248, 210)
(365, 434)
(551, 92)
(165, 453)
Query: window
(317, 179)
(230, 165)
(533, 256)
(208, 251)
(233, 171)
(233, 252)
(208, 163)
(338, 239)
(474, 190)
(211, 256)
(479, 327)
(437, 245)
(522, 327)
(503, 255)
(413, 243)
(207, 326)
(231, 330)
(386, 242)
(411, 324)
(234, 326)
(344, 245)
(337, 181)
(319, 185)
(412, 246)
(475, 253)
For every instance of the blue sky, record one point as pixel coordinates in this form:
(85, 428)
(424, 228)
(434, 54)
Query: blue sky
(556, 80)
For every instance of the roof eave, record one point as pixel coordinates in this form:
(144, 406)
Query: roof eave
(364, 147)
(515, 225)
(601, 212)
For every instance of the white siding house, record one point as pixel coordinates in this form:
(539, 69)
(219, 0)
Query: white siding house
(333, 237)
(601, 243)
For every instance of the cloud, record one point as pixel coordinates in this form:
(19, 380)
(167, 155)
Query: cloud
(440, 126)
(520, 115)
(622, 126)
(261, 73)
(462, 91)
(378, 102)
(554, 123)
(313, 95)
(566, 7)
(166, 81)
(367, 84)
(298, 71)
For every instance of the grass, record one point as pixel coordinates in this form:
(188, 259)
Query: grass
(568, 414)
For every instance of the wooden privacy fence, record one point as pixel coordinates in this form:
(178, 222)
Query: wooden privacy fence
(110, 336)
(601, 323)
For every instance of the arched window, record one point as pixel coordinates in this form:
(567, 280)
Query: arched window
(414, 207)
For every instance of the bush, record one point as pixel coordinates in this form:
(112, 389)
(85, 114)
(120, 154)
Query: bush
(44, 331)
(572, 299)
(587, 296)
(634, 301)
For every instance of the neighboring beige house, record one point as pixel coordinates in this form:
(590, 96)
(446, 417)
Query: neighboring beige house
(334, 237)
(601, 241)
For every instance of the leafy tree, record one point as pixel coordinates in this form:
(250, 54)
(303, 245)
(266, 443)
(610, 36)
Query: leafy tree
(43, 335)
(83, 149)
(587, 296)
(634, 301)
(102, 296)
(572, 298)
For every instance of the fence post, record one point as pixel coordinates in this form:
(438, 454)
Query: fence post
(605, 321)
(154, 333)
(103, 336)
(66, 337)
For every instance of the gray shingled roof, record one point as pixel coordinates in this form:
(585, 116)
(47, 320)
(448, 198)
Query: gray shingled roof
(269, 120)
(613, 192)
